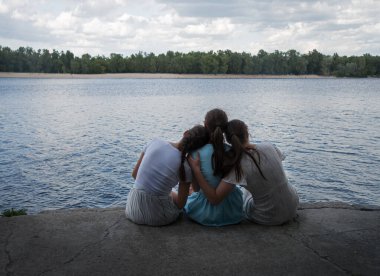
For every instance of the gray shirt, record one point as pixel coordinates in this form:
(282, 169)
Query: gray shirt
(274, 200)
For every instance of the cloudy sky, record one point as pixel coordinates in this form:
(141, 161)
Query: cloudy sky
(348, 27)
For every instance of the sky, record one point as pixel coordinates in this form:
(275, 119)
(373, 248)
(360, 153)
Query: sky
(347, 27)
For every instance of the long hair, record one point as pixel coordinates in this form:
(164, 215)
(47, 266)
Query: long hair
(216, 123)
(193, 139)
(237, 135)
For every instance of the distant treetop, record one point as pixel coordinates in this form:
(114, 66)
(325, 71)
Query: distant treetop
(26, 59)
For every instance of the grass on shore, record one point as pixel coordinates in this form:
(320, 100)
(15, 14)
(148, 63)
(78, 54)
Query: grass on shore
(13, 212)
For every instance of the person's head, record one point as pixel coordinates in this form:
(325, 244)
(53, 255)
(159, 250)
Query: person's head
(237, 135)
(237, 129)
(216, 122)
(192, 139)
(214, 119)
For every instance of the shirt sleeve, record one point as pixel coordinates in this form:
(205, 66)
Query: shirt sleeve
(147, 146)
(231, 179)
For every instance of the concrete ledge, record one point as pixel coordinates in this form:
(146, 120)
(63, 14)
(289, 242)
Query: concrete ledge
(325, 239)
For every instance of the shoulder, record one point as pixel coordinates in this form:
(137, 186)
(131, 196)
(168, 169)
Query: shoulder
(157, 140)
(208, 148)
(264, 144)
(267, 147)
(154, 142)
(231, 178)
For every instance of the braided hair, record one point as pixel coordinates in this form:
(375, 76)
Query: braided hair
(216, 123)
(236, 135)
(194, 138)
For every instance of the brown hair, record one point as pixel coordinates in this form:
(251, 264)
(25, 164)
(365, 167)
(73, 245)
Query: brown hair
(216, 123)
(237, 135)
(193, 139)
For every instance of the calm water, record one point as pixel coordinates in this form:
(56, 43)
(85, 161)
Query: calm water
(73, 143)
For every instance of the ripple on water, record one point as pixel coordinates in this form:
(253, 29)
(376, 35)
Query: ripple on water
(74, 143)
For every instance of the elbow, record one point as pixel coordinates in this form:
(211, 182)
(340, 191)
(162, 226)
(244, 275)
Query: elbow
(134, 173)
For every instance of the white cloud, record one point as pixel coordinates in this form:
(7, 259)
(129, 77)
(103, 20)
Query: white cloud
(17, 15)
(3, 8)
(127, 26)
(220, 26)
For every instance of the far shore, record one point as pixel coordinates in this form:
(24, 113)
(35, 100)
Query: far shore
(153, 76)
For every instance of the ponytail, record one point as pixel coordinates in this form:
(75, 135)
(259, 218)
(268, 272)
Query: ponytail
(257, 163)
(216, 122)
(217, 140)
(237, 133)
(234, 156)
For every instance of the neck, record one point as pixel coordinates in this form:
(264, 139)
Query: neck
(178, 145)
(247, 145)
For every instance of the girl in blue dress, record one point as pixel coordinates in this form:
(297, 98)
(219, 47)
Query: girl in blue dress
(229, 210)
(268, 197)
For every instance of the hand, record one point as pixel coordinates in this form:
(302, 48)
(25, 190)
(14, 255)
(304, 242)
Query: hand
(194, 163)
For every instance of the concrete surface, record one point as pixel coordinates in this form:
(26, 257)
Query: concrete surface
(325, 239)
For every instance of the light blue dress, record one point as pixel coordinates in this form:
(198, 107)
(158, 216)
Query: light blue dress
(199, 209)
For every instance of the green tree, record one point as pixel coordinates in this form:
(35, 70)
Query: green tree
(209, 63)
(314, 62)
(75, 66)
(235, 62)
(116, 64)
(45, 61)
(247, 64)
(297, 64)
(25, 59)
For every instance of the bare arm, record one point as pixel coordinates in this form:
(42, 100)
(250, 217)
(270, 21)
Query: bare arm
(183, 192)
(194, 184)
(214, 195)
(137, 166)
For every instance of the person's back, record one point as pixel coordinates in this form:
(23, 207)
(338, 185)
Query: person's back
(205, 154)
(198, 208)
(161, 166)
(274, 200)
(158, 172)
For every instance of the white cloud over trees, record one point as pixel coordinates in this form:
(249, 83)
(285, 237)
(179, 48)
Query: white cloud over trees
(117, 26)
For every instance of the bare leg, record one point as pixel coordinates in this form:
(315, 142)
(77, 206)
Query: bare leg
(174, 196)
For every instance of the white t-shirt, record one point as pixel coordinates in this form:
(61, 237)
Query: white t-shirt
(275, 201)
(159, 170)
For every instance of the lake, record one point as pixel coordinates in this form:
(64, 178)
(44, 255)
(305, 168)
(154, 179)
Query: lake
(70, 143)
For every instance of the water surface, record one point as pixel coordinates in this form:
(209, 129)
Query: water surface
(67, 143)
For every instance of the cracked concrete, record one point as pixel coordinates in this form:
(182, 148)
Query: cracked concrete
(325, 239)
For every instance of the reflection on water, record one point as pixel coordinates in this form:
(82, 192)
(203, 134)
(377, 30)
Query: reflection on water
(73, 143)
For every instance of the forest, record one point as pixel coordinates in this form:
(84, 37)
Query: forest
(291, 62)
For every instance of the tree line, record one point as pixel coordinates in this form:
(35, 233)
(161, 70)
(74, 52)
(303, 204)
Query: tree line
(26, 59)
